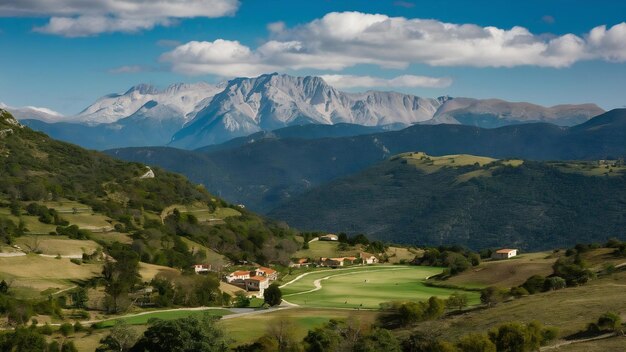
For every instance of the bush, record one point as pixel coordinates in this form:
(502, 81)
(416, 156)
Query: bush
(609, 321)
(76, 261)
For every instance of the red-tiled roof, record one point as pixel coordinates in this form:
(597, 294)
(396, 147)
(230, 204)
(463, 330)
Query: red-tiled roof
(505, 250)
(267, 271)
(240, 273)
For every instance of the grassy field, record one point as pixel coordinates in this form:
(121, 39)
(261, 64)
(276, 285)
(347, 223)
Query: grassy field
(397, 254)
(570, 309)
(506, 273)
(365, 287)
(591, 169)
(149, 271)
(301, 320)
(110, 237)
(56, 245)
(31, 274)
(612, 344)
(168, 315)
(202, 212)
(319, 249)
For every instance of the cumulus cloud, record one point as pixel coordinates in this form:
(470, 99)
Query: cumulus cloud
(74, 18)
(345, 39)
(405, 81)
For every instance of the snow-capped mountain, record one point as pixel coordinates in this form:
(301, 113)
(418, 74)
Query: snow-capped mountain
(33, 112)
(178, 101)
(272, 101)
(195, 115)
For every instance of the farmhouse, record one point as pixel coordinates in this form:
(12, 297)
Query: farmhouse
(201, 268)
(367, 258)
(302, 262)
(239, 275)
(335, 262)
(257, 283)
(504, 253)
(268, 273)
(329, 237)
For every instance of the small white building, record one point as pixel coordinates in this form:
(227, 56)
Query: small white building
(368, 258)
(258, 284)
(329, 237)
(504, 253)
(201, 268)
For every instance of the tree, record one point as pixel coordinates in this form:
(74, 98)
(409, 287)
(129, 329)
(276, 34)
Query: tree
(272, 295)
(510, 337)
(378, 340)
(609, 321)
(282, 332)
(476, 343)
(492, 295)
(23, 340)
(188, 334)
(69, 347)
(554, 283)
(66, 329)
(121, 338)
(534, 284)
(457, 301)
(4, 287)
(241, 300)
(80, 297)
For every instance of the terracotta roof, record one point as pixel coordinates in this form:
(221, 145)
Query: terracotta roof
(505, 250)
(267, 271)
(302, 260)
(258, 278)
(350, 258)
(240, 273)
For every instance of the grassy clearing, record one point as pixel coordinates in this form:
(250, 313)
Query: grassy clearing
(591, 169)
(505, 273)
(168, 315)
(319, 249)
(212, 257)
(56, 245)
(32, 274)
(612, 344)
(366, 288)
(201, 211)
(149, 271)
(397, 254)
(570, 309)
(249, 328)
(110, 237)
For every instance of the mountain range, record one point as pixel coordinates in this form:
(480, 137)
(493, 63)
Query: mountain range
(265, 170)
(190, 116)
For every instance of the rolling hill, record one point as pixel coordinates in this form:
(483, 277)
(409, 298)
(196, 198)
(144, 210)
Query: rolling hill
(467, 200)
(63, 185)
(262, 173)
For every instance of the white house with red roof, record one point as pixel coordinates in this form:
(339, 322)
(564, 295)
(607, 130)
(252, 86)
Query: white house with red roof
(504, 253)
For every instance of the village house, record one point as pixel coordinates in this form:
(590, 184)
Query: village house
(257, 284)
(336, 262)
(504, 253)
(329, 237)
(238, 275)
(302, 262)
(201, 268)
(367, 258)
(270, 274)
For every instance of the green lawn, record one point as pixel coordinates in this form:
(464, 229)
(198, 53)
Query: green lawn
(169, 315)
(366, 287)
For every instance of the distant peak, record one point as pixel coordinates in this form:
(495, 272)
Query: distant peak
(143, 88)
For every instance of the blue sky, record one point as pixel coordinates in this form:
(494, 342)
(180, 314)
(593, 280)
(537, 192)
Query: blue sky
(64, 60)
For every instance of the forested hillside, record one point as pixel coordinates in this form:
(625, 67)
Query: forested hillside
(473, 201)
(37, 169)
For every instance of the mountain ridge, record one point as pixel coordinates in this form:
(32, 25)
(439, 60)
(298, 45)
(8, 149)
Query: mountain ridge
(195, 115)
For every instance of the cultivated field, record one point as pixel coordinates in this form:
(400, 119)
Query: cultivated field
(506, 273)
(364, 287)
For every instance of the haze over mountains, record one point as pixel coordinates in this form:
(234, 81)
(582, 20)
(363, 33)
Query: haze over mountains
(190, 116)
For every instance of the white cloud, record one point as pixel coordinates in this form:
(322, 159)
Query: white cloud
(405, 81)
(340, 40)
(221, 57)
(79, 18)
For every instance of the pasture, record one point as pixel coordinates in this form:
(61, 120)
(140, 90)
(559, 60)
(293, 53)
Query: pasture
(56, 245)
(32, 274)
(505, 273)
(248, 328)
(365, 287)
(319, 249)
(143, 318)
